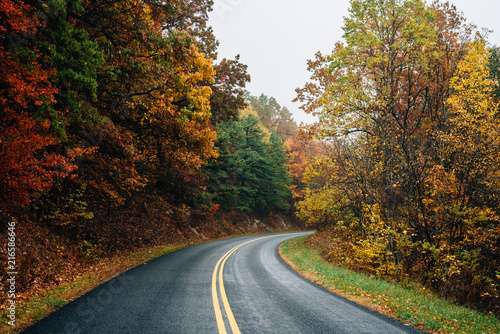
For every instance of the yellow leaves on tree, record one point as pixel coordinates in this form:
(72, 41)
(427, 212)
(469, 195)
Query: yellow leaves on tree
(412, 184)
(373, 252)
(473, 115)
(472, 141)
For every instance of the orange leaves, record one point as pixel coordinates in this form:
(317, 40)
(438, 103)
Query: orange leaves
(296, 165)
(18, 17)
(26, 168)
(156, 93)
(440, 183)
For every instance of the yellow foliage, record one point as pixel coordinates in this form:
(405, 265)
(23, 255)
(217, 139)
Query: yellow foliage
(250, 111)
(372, 252)
(474, 125)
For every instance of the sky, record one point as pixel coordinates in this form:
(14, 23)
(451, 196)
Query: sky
(275, 38)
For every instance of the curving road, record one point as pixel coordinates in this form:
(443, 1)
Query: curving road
(228, 286)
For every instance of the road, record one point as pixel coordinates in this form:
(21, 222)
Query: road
(228, 286)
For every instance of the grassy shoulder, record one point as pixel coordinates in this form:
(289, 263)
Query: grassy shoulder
(416, 307)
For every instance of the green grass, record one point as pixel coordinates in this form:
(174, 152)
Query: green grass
(416, 307)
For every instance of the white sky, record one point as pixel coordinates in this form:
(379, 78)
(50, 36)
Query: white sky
(275, 38)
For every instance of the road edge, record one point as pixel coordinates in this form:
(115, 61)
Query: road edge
(360, 302)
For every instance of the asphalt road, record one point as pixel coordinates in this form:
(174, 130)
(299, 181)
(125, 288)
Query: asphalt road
(234, 285)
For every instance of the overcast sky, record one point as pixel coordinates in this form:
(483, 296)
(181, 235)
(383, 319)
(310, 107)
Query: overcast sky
(275, 38)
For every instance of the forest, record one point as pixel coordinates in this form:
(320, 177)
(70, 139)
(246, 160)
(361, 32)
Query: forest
(121, 129)
(409, 188)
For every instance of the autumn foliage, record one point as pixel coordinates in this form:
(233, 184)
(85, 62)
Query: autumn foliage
(121, 129)
(110, 113)
(26, 165)
(409, 187)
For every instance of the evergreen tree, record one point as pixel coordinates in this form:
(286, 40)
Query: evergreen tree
(250, 173)
(76, 60)
(281, 178)
(221, 173)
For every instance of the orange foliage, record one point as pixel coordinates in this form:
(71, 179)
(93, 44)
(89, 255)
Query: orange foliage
(26, 168)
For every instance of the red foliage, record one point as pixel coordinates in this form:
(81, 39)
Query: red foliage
(25, 168)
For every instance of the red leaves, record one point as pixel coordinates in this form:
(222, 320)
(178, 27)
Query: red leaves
(16, 16)
(25, 167)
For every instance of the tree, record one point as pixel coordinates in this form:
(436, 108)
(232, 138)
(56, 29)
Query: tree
(190, 16)
(408, 106)
(494, 66)
(280, 180)
(231, 76)
(227, 90)
(379, 95)
(472, 145)
(296, 165)
(77, 61)
(250, 173)
(375, 97)
(221, 173)
(464, 189)
(273, 116)
(25, 166)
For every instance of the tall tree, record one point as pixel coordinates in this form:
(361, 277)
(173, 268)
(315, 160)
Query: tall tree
(383, 90)
(77, 61)
(280, 180)
(403, 103)
(228, 95)
(494, 66)
(250, 173)
(471, 147)
(25, 89)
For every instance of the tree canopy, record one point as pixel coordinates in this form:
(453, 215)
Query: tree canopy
(407, 104)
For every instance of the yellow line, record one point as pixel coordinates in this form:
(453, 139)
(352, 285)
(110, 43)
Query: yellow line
(225, 301)
(218, 313)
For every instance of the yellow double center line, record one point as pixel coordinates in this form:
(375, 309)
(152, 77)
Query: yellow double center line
(219, 268)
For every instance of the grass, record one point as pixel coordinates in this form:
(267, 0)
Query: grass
(416, 307)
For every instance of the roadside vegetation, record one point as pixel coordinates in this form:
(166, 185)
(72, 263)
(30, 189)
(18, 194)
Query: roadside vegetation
(408, 186)
(121, 129)
(411, 303)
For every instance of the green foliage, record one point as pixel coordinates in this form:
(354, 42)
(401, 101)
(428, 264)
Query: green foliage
(494, 67)
(76, 60)
(250, 174)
